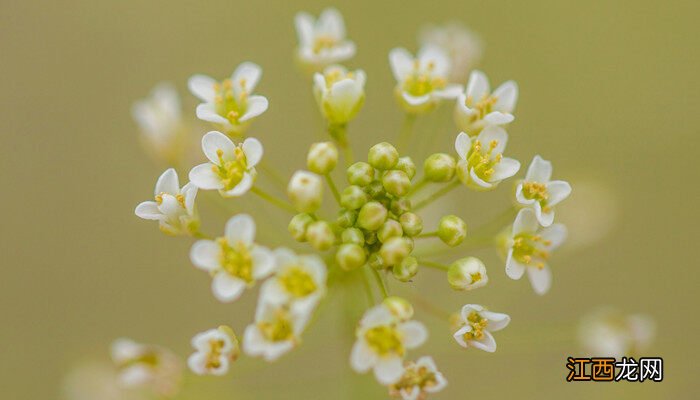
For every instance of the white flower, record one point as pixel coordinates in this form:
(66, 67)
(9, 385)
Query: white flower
(173, 207)
(230, 104)
(478, 108)
(382, 341)
(231, 169)
(477, 325)
(467, 274)
(299, 281)
(610, 333)
(322, 42)
(277, 330)
(529, 247)
(160, 118)
(141, 365)
(482, 165)
(538, 192)
(462, 45)
(214, 350)
(234, 260)
(419, 378)
(340, 94)
(422, 81)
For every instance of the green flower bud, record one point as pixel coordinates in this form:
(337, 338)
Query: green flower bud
(360, 174)
(411, 223)
(467, 274)
(399, 307)
(353, 197)
(353, 235)
(383, 156)
(297, 226)
(452, 230)
(305, 190)
(406, 165)
(370, 237)
(374, 189)
(440, 167)
(394, 250)
(346, 218)
(372, 216)
(400, 206)
(322, 158)
(390, 229)
(396, 183)
(350, 256)
(406, 269)
(320, 235)
(375, 261)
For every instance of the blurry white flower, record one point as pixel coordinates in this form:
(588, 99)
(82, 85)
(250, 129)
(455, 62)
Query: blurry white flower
(231, 169)
(477, 325)
(299, 281)
(146, 366)
(234, 260)
(173, 207)
(422, 81)
(419, 379)
(214, 350)
(159, 117)
(592, 213)
(538, 192)
(382, 341)
(322, 42)
(230, 104)
(610, 333)
(478, 108)
(482, 165)
(340, 94)
(462, 45)
(277, 330)
(97, 381)
(529, 247)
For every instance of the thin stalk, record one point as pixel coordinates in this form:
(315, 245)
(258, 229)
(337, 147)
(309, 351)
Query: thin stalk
(406, 132)
(433, 264)
(380, 282)
(436, 195)
(273, 200)
(418, 186)
(334, 189)
(368, 289)
(273, 174)
(427, 235)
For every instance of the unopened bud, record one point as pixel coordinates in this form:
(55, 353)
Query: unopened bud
(320, 235)
(400, 206)
(406, 165)
(406, 269)
(399, 307)
(411, 223)
(452, 230)
(390, 229)
(353, 235)
(305, 190)
(297, 226)
(467, 274)
(350, 256)
(375, 261)
(346, 218)
(439, 167)
(396, 183)
(372, 216)
(353, 197)
(322, 158)
(394, 250)
(360, 174)
(383, 156)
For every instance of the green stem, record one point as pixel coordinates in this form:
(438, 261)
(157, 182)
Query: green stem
(380, 282)
(273, 200)
(273, 174)
(418, 186)
(406, 132)
(436, 195)
(427, 234)
(339, 133)
(433, 264)
(368, 289)
(334, 189)
(200, 235)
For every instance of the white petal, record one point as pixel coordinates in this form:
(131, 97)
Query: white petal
(388, 370)
(486, 343)
(539, 170)
(520, 196)
(197, 363)
(272, 292)
(497, 321)
(377, 315)
(514, 269)
(204, 177)
(227, 288)
(214, 141)
(264, 262)
(558, 191)
(168, 183)
(525, 221)
(284, 256)
(540, 279)
(498, 118)
(316, 267)
(430, 54)
(415, 100)
(204, 254)
(202, 86)
(545, 218)
(242, 187)
(253, 341)
(556, 234)
(450, 92)
(275, 350)
(463, 144)
(250, 73)
(459, 335)
(506, 96)
(148, 210)
(190, 193)
(331, 22)
(362, 358)
(478, 181)
(136, 375)
(305, 28)
(256, 105)
(401, 62)
(207, 112)
(170, 206)
(505, 169)
(478, 86)
(414, 334)
(240, 228)
(253, 150)
(343, 98)
(491, 133)
(468, 309)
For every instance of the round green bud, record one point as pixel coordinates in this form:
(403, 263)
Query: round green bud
(374, 189)
(411, 223)
(439, 167)
(350, 256)
(406, 269)
(467, 274)
(452, 230)
(394, 250)
(383, 156)
(297, 226)
(375, 261)
(372, 216)
(370, 237)
(346, 218)
(305, 190)
(390, 229)
(396, 183)
(360, 174)
(322, 158)
(400, 206)
(320, 235)
(353, 197)
(399, 307)
(353, 235)
(406, 165)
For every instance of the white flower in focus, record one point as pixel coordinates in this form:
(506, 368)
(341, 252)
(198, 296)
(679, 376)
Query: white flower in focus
(529, 248)
(538, 192)
(478, 108)
(340, 94)
(231, 167)
(482, 165)
(299, 281)
(230, 104)
(422, 81)
(214, 350)
(159, 117)
(234, 260)
(322, 42)
(477, 325)
(467, 274)
(173, 207)
(610, 333)
(462, 45)
(382, 341)
(141, 365)
(419, 379)
(277, 330)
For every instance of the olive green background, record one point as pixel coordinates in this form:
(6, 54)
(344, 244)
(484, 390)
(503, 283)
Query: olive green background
(609, 93)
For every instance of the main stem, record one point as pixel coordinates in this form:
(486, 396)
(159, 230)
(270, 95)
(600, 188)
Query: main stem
(380, 282)
(334, 189)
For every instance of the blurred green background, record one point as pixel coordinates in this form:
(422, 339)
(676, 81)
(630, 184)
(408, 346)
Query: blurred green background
(609, 93)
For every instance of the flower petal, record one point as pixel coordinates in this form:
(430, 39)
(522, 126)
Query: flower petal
(331, 23)
(240, 228)
(243, 186)
(248, 73)
(450, 92)
(304, 24)
(525, 221)
(197, 363)
(214, 141)
(227, 288)
(256, 105)
(539, 170)
(202, 86)
(555, 234)
(540, 279)
(558, 191)
(433, 55)
(168, 183)
(205, 254)
(388, 370)
(514, 269)
(494, 133)
(478, 86)
(264, 262)
(486, 343)
(401, 62)
(204, 177)
(506, 96)
(497, 321)
(463, 144)
(414, 334)
(505, 169)
(148, 210)
(207, 112)
(498, 118)
(253, 150)
(362, 358)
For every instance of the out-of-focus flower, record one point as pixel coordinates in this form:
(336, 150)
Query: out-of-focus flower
(299, 281)
(478, 108)
(610, 333)
(305, 190)
(340, 94)
(146, 366)
(419, 379)
(538, 192)
(529, 248)
(592, 213)
(234, 260)
(97, 381)
(230, 104)
(159, 117)
(422, 81)
(467, 274)
(231, 167)
(477, 325)
(482, 165)
(382, 341)
(173, 207)
(322, 42)
(215, 349)
(277, 330)
(463, 46)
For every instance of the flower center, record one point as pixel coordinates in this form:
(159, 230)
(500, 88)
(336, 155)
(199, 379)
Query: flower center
(421, 80)
(482, 107)
(335, 75)
(236, 260)
(180, 198)
(478, 324)
(278, 329)
(536, 191)
(414, 376)
(230, 172)
(297, 282)
(148, 358)
(214, 357)
(323, 42)
(384, 340)
(483, 162)
(227, 105)
(527, 248)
